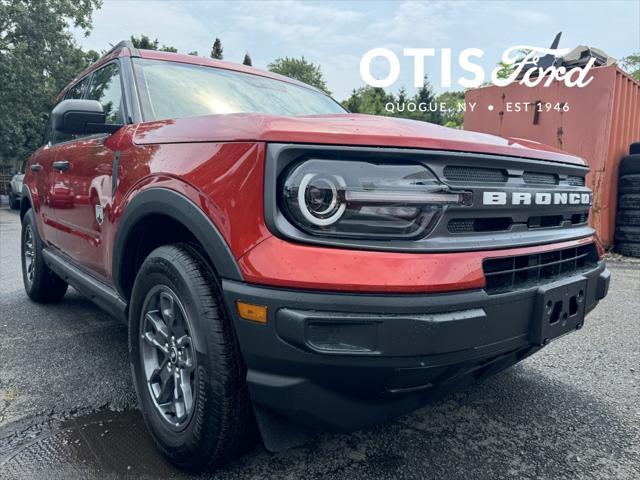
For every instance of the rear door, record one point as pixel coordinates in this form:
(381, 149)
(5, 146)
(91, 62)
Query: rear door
(84, 177)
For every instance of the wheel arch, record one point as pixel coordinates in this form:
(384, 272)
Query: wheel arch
(163, 203)
(25, 201)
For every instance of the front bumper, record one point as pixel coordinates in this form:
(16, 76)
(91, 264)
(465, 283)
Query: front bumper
(341, 361)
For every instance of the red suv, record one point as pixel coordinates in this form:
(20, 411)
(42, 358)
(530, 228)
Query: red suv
(277, 257)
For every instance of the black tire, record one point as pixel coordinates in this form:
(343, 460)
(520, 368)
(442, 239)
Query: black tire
(219, 422)
(629, 201)
(629, 184)
(14, 203)
(40, 283)
(629, 165)
(628, 249)
(628, 217)
(627, 234)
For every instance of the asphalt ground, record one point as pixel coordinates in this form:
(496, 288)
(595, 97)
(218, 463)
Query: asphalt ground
(67, 407)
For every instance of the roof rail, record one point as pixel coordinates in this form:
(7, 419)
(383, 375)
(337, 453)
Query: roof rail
(124, 43)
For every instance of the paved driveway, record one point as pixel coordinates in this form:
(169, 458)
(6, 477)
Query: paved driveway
(67, 407)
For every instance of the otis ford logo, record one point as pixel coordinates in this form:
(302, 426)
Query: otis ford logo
(538, 198)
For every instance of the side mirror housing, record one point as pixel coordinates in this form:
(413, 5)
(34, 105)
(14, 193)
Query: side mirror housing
(80, 117)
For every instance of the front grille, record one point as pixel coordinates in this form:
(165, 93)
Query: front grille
(512, 273)
(503, 224)
(475, 174)
(576, 181)
(540, 178)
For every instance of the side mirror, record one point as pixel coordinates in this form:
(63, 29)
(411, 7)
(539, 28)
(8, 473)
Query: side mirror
(80, 117)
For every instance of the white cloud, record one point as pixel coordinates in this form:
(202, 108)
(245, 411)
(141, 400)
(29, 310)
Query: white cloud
(336, 34)
(413, 22)
(291, 21)
(171, 22)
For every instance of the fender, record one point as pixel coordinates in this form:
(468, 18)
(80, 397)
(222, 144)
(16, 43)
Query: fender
(163, 201)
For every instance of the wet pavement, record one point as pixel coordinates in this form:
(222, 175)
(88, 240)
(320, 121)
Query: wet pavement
(67, 408)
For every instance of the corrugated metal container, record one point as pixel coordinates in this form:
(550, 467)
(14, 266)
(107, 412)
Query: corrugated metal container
(603, 118)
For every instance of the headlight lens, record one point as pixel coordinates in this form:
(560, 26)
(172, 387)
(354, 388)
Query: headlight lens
(360, 199)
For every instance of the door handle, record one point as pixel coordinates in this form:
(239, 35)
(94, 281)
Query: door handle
(61, 165)
(36, 167)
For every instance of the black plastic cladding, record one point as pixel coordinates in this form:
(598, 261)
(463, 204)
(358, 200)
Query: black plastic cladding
(280, 156)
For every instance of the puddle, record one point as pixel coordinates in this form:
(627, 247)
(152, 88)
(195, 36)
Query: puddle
(102, 445)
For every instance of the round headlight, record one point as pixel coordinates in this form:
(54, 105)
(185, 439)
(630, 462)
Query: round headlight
(362, 198)
(319, 198)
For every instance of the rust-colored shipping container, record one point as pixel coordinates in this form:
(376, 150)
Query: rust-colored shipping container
(603, 118)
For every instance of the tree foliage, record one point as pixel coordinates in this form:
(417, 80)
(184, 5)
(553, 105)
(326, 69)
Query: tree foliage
(370, 100)
(247, 60)
(38, 58)
(424, 105)
(300, 69)
(631, 65)
(505, 69)
(454, 102)
(217, 50)
(143, 42)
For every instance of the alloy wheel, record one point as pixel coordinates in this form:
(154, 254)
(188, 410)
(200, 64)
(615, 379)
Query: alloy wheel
(29, 254)
(168, 356)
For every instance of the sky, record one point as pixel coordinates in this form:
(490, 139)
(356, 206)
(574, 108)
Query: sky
(336, 35)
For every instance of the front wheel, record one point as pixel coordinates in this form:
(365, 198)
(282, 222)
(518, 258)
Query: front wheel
(40, 283)
(186, 365)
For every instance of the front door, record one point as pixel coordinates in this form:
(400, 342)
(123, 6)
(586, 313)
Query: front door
(44, 177)
(84, 176)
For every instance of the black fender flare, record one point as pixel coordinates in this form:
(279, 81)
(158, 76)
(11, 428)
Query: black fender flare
(26, 196)
(163, 201)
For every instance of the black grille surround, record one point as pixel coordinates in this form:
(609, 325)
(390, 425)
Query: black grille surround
(512, 273)
(476, 225)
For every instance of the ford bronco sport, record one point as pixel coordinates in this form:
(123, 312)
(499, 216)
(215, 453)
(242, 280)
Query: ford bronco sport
(284, 263)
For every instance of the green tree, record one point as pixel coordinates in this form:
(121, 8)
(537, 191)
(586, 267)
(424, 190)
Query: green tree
(300, 69)
(426, 101)
(194, 53)
(402, 95)
(145, 43)
(370, 100)
(423, 105)
(247, 60)
(216, 50)
(454, 101)
(38, 57)
(505, 69)
(631, 65)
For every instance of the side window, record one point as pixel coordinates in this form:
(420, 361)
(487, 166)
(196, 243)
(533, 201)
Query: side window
(77, 90)
(105, 87)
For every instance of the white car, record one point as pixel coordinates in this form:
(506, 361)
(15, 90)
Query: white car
(16, 191)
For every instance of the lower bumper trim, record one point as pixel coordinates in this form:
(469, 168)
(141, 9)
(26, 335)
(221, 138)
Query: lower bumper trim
(346, 361)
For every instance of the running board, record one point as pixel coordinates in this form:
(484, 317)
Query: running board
(95, 290)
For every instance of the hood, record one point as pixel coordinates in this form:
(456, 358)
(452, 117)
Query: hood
(341, 129)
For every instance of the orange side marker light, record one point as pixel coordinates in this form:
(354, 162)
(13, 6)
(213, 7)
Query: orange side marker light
(255, 313)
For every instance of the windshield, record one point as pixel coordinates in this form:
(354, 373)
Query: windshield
(176, 90)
